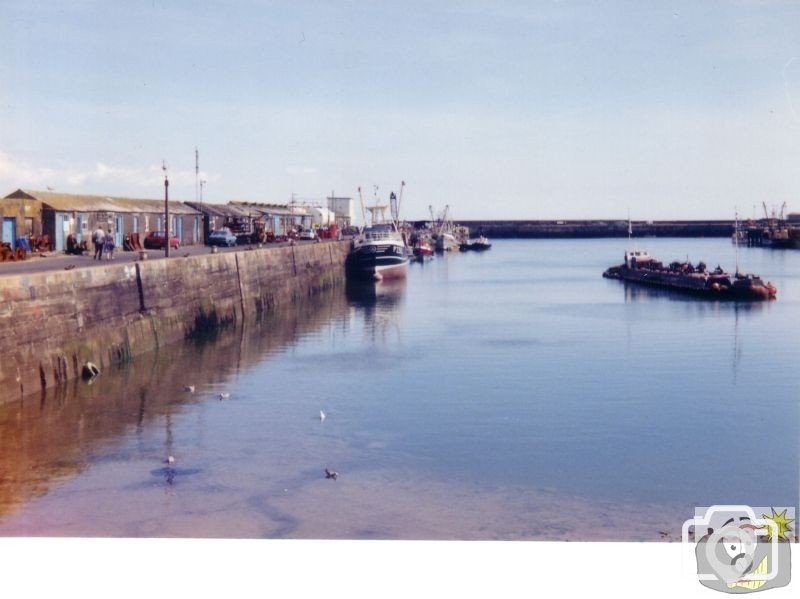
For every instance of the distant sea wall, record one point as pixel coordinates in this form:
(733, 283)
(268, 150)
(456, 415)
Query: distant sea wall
(53, 323)
(550, 229)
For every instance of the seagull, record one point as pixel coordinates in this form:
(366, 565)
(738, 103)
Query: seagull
(321, 416)
(169, 460)
(189, 388)
(331, 474)
(225, 395)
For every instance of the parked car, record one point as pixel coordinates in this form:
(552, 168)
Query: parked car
(156, 240)
(222, 236)
(308, 234)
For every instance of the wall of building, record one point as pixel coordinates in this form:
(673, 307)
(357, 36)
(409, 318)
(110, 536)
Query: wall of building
(27, 215)
(82, 224)
(52, 323)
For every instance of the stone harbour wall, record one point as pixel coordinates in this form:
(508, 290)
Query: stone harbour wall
(53, 323)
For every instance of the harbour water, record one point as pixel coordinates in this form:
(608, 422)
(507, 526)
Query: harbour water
(500, 395)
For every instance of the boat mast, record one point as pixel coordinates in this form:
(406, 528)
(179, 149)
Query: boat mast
(630, 228)
(363, 210)
(736, 240)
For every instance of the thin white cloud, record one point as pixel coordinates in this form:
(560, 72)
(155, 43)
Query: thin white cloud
(18, 173)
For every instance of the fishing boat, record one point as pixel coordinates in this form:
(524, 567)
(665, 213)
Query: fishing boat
(480, 244)
(379, 252)
(448, 237)
(422, 248)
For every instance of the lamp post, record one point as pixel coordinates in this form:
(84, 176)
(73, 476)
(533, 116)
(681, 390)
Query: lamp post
(166, 210)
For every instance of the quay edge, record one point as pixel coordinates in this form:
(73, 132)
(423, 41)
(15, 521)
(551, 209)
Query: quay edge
(54, 322)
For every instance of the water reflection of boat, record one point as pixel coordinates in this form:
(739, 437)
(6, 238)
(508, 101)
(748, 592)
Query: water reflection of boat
(368, 294)
(635, 293)
(378, 303)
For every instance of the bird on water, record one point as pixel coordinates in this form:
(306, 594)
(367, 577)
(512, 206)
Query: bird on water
(331, 474)
(225, 395)
(321, 416)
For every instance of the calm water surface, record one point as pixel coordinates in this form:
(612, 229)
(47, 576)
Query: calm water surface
(510, 394)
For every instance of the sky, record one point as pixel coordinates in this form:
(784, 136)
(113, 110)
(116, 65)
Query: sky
(501, 110)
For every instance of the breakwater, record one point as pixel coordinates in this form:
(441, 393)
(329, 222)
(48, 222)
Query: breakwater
(53, 323)
(551, 229)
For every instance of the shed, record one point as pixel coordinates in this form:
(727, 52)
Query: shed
(240, 221)
(62, 214)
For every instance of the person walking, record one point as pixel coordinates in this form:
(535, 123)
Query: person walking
(98, 238)
(108, 245)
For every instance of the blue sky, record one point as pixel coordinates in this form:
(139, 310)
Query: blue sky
(499, 109)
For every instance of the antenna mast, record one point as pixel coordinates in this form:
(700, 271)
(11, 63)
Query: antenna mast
(736, 240)
(196, 173)
(630, 227)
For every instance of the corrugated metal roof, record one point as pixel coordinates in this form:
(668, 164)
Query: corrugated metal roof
(273, 209)
(68, 202)
(225, 210)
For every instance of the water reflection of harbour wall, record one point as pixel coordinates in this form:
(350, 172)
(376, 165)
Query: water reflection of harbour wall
(52, 434)
(53, 323)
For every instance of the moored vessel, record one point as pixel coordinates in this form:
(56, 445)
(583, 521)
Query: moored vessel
(422, 248)
(480, 244)
(380, 251)
(639, 267)
(448, 236)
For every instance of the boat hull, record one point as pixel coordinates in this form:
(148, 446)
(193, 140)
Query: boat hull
(475, 247)
(709, 286)
(376, 265)
(446, 243)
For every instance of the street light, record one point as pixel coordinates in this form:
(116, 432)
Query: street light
(166, 209)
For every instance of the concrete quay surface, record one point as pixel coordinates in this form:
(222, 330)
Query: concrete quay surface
(60, 261)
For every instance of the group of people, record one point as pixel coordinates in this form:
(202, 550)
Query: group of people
(103, 244)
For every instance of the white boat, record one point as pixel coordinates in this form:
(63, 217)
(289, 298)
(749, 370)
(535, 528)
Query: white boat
(446, 242)
(448, 237)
